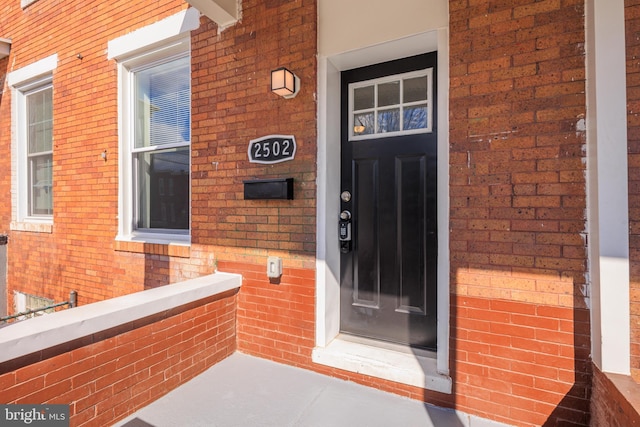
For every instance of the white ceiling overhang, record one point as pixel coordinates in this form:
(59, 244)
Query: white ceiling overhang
(223, 12)
(5, 47)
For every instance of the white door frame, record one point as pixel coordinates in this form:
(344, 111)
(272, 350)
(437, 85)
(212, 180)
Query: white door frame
(392, 363)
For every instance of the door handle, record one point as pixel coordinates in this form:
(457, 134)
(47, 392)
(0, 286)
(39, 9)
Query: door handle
(344, 231)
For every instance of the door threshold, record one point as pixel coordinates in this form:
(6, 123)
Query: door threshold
(388, 345)
(384, 360)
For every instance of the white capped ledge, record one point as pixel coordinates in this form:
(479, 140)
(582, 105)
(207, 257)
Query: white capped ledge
(154, 34)
(33, 335)
(42, 67)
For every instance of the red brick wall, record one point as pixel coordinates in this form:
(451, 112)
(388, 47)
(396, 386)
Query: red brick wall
(632, 14)
(517, 188)
(81, 253)
(123, 370)
(276, 321)
(514, 362)
(232, 104)
(521, 363)
(520, 327)
(615, 400)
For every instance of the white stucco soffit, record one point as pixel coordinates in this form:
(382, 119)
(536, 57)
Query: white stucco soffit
(223, 12)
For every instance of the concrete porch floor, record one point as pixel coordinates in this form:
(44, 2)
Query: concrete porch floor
(245, 391)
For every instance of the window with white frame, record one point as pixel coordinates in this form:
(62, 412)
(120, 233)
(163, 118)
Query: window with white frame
(39, 150)
(32, 145)
(156, 144)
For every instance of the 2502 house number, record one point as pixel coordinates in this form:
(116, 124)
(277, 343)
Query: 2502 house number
(272, 149)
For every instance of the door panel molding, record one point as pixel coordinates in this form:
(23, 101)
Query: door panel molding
(411, 300)
(366, 262)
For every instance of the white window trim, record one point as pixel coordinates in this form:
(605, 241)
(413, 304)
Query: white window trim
(158, 34)
(332, 349)
(160, 41)
(21, 81)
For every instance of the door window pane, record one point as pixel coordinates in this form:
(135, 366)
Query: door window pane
(388, 94)
(363, 98)
(389, 121)
(415, 117)
(415, 89)
(364, 124)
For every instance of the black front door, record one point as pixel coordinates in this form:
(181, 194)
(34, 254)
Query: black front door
(388, 200)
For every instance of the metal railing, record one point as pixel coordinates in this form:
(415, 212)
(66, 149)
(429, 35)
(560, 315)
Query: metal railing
(73, 302)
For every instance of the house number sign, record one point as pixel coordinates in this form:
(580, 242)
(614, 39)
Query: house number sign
(272, 149)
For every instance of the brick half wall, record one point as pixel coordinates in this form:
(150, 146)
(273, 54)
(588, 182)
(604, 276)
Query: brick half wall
(110, 374)
(615, 400)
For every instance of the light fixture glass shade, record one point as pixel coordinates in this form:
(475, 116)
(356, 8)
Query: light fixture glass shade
(284, 83)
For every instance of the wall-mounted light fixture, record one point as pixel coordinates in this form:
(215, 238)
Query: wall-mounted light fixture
(284, 83)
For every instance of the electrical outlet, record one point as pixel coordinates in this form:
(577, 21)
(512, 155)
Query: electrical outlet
(274, 267)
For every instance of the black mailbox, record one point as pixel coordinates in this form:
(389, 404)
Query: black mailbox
(277, 188)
